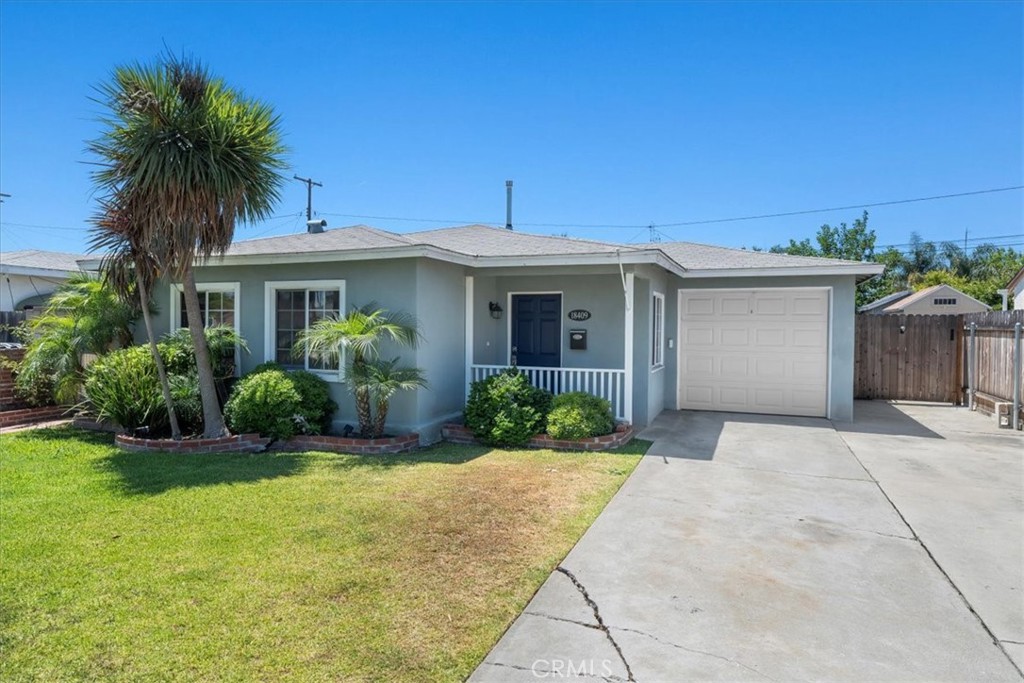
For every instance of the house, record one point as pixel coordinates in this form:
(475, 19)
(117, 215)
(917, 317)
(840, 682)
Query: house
(28, 277)
(668, 325)
(1016, 290)
(936, 300)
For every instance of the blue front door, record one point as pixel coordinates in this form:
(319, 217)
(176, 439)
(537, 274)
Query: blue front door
(537, 330)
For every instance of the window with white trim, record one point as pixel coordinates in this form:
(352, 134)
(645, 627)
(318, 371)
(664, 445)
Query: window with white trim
(218, 304)
(658, 330)
(292, 308)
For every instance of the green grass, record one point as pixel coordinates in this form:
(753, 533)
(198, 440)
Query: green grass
(297, 566)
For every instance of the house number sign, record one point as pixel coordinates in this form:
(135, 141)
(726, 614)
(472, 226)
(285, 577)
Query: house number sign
(579, 314)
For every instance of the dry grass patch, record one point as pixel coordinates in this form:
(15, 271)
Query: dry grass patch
(304, 566)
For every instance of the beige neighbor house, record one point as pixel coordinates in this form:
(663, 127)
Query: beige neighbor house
(28, 277)
(937, 300)
(1016, 287)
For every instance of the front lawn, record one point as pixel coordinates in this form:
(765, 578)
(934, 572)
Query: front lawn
(299, 566)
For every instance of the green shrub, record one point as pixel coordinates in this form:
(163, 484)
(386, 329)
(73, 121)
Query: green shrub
(267, 403)
(315, 403)
(506, 410)
(123, 387)
(188, 402)
(579, 415)
(221, 340)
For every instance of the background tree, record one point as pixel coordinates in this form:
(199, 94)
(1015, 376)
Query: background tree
(193, 157)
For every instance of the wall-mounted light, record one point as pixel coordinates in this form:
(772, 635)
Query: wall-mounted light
(496, 310)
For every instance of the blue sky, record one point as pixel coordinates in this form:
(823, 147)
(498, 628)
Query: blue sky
(603, 114)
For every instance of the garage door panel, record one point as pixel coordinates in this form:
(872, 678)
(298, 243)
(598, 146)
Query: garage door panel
(754, 351)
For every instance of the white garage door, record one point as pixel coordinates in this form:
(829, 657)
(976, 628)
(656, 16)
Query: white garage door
(754, 350)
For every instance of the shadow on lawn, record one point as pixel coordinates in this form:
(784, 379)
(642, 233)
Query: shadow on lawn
(152, 473)
(443, 453)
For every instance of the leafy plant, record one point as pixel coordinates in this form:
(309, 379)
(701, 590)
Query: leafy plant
(315, 403)
(122, 387)
(506, 410)
(361, 332)
(579, 415)
(186, 401)
(267, 402)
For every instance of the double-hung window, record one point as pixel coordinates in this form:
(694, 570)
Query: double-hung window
(657, 330)
(293, 307)
(218, 305)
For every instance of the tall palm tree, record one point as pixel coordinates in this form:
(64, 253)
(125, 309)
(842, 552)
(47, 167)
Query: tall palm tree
(359, 333)
(129, 269)
(193, 157)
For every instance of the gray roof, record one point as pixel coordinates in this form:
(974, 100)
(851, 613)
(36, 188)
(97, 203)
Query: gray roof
(339, 239)
(42, 260)
(885, 301)
(693, 256)
(487, 241)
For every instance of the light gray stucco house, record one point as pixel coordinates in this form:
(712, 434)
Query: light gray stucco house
(652, 327)
(28, 277)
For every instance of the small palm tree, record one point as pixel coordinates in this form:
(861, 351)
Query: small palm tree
(382, 379)
(193, 157)
(359, 335)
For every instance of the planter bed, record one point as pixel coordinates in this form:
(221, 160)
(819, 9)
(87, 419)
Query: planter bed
(347, 444)
(622, 435)
(236, 443)
(29, 416)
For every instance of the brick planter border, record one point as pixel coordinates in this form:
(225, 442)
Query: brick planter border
(622, 435)
(237, 443)
(28, 416)
(345, 444)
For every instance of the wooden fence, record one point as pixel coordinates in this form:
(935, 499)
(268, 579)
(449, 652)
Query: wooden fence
(993, 355)
(931, 357)
(909, 357)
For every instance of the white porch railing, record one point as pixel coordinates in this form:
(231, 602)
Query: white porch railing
(607, 383)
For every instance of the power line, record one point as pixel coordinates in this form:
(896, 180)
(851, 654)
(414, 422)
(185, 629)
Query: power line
(954, 241)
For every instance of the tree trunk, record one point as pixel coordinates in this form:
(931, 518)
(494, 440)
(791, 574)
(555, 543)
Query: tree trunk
(213, 419)
(363, 413)
(165, 386)
(380, 419)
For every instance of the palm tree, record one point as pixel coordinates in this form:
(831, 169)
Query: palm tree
(360, 334)
(381, 379)
(129, 269)
(193, 157)
(83, 316)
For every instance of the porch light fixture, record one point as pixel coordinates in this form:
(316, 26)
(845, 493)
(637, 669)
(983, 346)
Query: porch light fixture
(496, 310)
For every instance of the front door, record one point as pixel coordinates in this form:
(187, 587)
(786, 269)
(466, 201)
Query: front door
(536, 330)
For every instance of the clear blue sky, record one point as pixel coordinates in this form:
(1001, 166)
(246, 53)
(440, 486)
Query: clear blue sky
(603, 114)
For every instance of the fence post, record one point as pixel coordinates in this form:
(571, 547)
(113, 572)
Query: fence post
(972, 348)
(1016, 376)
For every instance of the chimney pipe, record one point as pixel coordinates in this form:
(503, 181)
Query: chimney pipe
(508, 204)
(315, 225)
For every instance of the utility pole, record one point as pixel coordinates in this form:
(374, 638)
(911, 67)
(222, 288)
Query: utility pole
(309, 195)
(654, 237)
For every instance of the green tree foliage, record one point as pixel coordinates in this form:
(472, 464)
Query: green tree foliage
(853, 243)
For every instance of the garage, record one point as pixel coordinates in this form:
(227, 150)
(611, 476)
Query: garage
(754, 350)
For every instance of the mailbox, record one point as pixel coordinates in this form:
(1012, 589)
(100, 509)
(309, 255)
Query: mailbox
(578, 340)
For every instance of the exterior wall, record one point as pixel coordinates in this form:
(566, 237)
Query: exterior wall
(441, 303)
(841, 343)
(601, 294)
(641, 351)
(392, 284)
(928, 307)
(658, 379)
(14, 289)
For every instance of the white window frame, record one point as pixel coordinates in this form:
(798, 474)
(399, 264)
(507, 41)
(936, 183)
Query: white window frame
(203, 288)
(270, 319)
(657, 331)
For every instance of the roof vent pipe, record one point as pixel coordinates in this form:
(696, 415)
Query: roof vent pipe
(315, 225)
(508, 204)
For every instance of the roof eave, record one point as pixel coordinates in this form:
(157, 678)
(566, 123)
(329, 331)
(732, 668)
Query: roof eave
(33, 271)
(862, 271)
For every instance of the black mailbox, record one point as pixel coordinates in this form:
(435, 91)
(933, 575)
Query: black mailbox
(578, 340)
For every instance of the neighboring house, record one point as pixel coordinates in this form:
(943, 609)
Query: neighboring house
(668, 325)
(28, 277)
(936, 300)
(1016, 287)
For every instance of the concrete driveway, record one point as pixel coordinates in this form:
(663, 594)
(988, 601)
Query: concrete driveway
(749, 547)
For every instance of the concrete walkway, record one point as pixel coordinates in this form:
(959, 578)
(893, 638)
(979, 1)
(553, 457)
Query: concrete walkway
(750, 547)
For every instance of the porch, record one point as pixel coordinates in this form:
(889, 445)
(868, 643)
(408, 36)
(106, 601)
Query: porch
(566, 331)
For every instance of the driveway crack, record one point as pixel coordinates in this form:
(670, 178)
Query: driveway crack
(694, 650)
(563, 619)
(597, 617)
